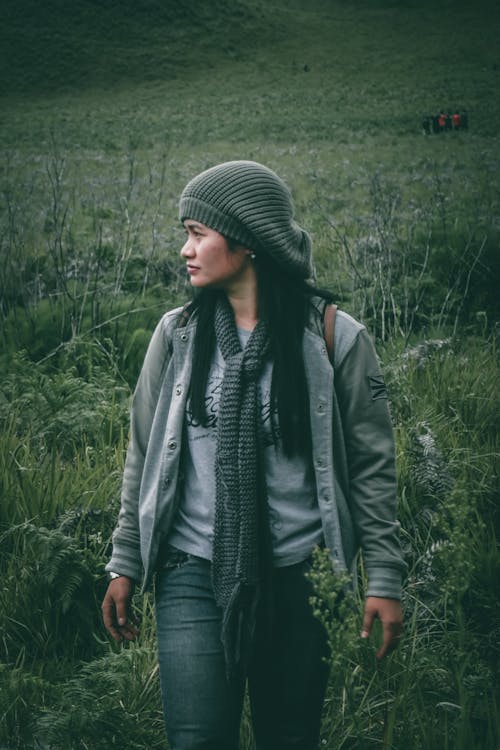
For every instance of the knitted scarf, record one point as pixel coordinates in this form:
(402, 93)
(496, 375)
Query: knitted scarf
(241, 550)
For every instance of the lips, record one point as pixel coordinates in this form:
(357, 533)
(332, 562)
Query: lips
(192, 269)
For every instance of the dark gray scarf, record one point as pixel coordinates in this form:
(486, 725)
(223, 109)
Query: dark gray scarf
(241, 550)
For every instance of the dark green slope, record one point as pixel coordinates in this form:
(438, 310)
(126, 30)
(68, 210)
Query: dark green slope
(61, 44)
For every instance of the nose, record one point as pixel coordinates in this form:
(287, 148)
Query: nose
(187, 250)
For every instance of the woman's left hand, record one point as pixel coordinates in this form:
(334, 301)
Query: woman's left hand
(390, 615)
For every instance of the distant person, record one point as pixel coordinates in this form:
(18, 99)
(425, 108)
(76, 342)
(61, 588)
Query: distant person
(456, 121)
(435, 124)
(442, 122)
(242, 459)
(464, 120)
(448, 122)
(426, 125)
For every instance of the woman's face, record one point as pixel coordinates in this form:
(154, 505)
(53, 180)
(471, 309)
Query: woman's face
(210, 262)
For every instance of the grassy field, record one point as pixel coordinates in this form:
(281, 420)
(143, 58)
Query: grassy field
(107, 109)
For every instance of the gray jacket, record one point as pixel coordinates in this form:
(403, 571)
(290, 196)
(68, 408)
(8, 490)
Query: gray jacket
(352, 446)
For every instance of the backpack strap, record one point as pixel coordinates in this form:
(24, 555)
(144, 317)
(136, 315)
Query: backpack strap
(329, 328)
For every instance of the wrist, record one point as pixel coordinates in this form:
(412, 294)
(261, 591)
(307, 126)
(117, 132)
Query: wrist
(111, 575)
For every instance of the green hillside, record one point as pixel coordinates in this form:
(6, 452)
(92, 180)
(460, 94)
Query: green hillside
(332, 94)
(59, 45)
(401, 52)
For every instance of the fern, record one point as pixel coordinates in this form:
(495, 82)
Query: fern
(48, 605)
(421, 354)
(113, 702)
(62, 409)
(20, 692)
(429, 468)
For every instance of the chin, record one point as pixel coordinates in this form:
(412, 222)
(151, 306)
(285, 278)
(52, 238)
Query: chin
(204, 284)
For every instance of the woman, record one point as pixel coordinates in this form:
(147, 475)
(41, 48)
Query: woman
(242, 458)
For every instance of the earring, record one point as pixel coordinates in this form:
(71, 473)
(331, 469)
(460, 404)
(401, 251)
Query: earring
(252, 256)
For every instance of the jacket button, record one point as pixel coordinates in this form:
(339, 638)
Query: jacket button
(166, 482)
(172, 445)
(178, 390)
(320, 463)
(183, 337)
(321, 407)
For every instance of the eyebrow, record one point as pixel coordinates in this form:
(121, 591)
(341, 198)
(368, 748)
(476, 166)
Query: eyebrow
(193, 225)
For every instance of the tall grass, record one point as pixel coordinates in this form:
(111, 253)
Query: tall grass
(63, 682)
(63, 410)
(73, 345)
(440, 688)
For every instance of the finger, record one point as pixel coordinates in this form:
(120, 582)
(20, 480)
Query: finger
(391, 638)
(122, 600)
(128, 632)
(121, 611)
(108, 616)
(367, 623)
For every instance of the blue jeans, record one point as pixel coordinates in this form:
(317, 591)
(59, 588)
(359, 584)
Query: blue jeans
(287, 675)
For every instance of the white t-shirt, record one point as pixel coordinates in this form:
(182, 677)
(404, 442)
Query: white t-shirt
(294, 517)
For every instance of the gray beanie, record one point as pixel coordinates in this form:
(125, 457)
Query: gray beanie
(250, 204)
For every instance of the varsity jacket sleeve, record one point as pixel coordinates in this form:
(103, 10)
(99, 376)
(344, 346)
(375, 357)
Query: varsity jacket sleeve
(126, 557)
(370, 453)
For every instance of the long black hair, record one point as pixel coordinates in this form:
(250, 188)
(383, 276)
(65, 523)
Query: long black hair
(284, 301)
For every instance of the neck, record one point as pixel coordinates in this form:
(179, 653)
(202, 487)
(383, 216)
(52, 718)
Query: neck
(244, 301)
(245, 311)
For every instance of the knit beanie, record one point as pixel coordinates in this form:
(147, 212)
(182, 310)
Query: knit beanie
(250, 204)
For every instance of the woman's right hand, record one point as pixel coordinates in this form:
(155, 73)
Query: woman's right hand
(117, 614)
